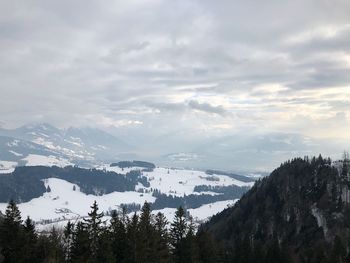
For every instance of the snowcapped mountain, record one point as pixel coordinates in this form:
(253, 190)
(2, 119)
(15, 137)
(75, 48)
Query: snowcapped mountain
(17, 152)
(83, 146)
(72, 189)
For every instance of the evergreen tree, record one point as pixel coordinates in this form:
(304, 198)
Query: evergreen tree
(94, 228)
(118, 236)
(190, 246)
(338, 252)
(80, 251)
(30, 239)
(105, 253)
(12, 235)
(68, 241)
(178, 233)
(146, 236)
(132, 231)
(162, 239)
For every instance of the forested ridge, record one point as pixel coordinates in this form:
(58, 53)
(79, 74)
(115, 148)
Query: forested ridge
(300, 213)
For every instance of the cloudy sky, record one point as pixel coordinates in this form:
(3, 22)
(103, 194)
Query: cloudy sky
(188, 67)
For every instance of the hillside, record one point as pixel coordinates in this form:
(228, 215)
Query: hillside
(82, 146)
(300, 213)
(57, 194)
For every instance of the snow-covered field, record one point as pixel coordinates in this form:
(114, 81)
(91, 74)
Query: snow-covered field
(7, 166)
(201, 213)
(35, 159)
(66, 202)
(180, 182)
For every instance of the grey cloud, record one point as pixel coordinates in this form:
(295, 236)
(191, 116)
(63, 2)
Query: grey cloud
(206, 107)
(64, 62)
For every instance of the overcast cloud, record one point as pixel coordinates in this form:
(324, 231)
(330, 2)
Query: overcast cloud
(220, 67)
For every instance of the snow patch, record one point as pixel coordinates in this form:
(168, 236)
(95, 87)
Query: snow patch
(63, 203)
(16, 153)
(321, 220)
(35, 159)
(7, 166)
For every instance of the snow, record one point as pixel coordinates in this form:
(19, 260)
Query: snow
(7, 166)
(178, 182)
(119, 170)
(15, 153)
(321, 220)
(201, 213)
(65, 203)
(35, 159)
(13, 143)
(182, 182)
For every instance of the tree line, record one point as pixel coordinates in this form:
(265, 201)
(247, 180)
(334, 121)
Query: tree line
(142, 237)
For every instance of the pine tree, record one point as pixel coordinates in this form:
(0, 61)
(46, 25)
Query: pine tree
(178, 233)
(208, 250)
(132, 231)
(162, 239)
(146, 236)
(11, 234)
(105, 252)
(68, 241)
(190, 246)
(118, 236)
(338, 252)
(54, 248)
(80, 244)
(94, 228)
(30, 238)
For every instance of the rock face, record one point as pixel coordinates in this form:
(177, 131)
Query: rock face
(303, 207)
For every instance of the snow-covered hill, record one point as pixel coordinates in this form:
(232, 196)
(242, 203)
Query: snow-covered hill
(18, 152)
(42, 144)
(65, 201)
(85, 146)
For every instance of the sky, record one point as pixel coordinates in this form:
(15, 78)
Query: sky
(178, 68)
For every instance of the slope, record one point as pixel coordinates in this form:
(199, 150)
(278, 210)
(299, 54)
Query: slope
(301, 210)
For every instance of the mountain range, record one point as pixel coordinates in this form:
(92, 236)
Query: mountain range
(82, 146)
(251, 152)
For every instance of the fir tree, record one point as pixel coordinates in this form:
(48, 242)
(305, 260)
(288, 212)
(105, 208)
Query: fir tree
(68, 241)
(11, 234)
(190, 247)
(118, 236)
(146, 236)
(162, 239)
(55, 251)
(132, 229)
(30, 238)
(178, 233)
(80, 244)
(94, 228)
(105, 253)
